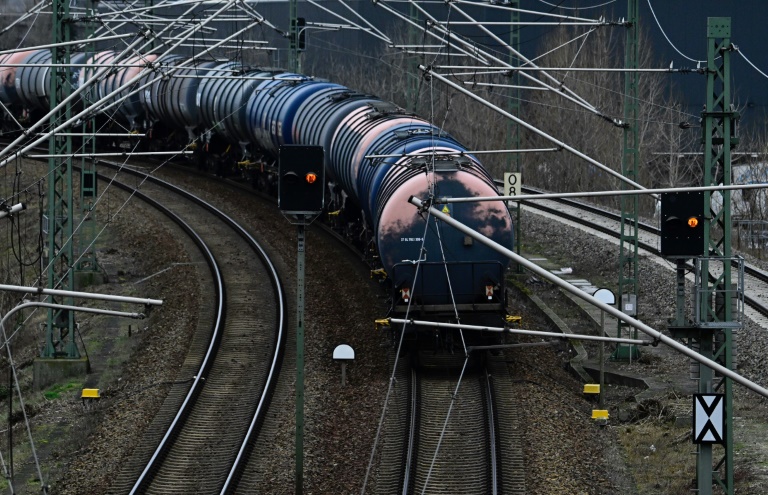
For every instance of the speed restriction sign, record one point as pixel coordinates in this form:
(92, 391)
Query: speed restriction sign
(513, 184)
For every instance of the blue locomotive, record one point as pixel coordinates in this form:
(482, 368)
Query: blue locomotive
(377, 156)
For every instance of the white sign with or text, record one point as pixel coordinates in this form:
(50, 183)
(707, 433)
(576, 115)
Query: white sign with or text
(513, 184)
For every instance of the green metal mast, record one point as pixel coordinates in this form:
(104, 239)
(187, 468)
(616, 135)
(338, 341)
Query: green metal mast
(59, 335)
(628, 242)
(293, 43)
(86, 259)
(514, 162)
(716, 291)
(413, 79)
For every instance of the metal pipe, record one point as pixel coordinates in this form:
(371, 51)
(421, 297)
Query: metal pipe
(533, 129)
(84, 295)
(100, 134)
(601, 193)
(120, 153)
(657, 336)
(520, 331)
(502, 69)
(63, 43)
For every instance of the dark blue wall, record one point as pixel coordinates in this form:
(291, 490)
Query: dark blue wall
(685, 24)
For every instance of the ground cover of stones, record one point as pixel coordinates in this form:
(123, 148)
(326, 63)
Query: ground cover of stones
(81, 447)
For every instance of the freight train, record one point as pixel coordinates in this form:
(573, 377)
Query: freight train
(376, 156)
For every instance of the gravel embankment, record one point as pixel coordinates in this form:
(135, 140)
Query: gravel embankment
(565, 452)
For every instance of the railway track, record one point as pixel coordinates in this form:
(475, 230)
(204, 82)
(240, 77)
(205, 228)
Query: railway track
(455, 435)
(607, 223)
(199, 441)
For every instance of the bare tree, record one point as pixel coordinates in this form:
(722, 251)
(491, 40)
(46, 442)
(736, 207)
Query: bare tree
(34, 30)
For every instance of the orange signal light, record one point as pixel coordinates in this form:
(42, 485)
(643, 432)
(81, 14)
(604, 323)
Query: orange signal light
(693, 222)
(311, 177)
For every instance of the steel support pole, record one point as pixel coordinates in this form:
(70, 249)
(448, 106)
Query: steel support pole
(86, 259)
(719, 138)
(293, 40)
(628, 241)
(59, 335)
(514, 160)
(300, 361)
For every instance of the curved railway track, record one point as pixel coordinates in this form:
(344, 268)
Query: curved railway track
(607, 223)
(509, 477)
(199, 441)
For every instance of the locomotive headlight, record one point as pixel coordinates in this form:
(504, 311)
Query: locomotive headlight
(311, 177)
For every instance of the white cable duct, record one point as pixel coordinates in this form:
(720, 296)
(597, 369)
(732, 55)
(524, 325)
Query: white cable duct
(657, 336)
(534, 129)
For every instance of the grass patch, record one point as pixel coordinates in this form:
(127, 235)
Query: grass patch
(56, 391)
(660, 456)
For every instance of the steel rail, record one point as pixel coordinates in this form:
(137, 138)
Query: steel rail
(657, 336)
(281, 336)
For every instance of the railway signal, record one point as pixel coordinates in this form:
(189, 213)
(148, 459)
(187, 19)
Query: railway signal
(301, 183)
(682, 224)
(300, 197)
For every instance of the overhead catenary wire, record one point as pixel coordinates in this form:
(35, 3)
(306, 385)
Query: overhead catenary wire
(530, 127)
(655, 18)
(660, 337)
(558, 87)
(105, 103)
(26, 420)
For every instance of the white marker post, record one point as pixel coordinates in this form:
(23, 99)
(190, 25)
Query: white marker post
(343, 353)
(605, 296)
